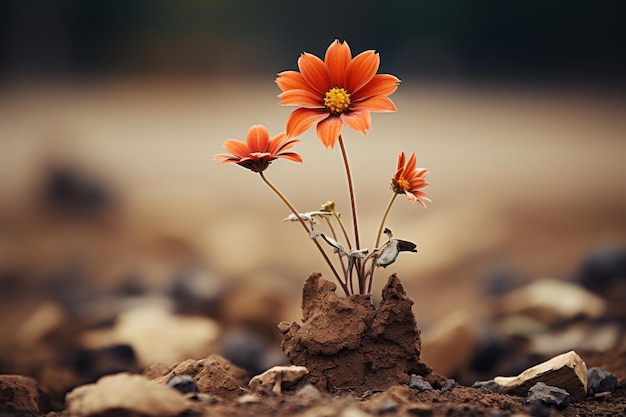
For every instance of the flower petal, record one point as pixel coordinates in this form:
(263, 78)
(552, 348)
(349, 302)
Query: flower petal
(227, 158)
(338, 56)
(380, 104)
(328, 130)
(359, 120)
(304, 98)
(361, 70)
(314, 72)
(292, 156)
(301, 119)
(236, 147)
(380, 85)
(258, 139)
(411, 164)
(291, 80)
(281, 143)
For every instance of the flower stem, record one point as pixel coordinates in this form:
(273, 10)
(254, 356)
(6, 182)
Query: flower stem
(351, 190)
(308, 231)
(332, 231)
(382, 222)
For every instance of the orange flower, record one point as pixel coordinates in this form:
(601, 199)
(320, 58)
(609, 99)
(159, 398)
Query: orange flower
(259, 151)
(339, 90)
(409, 179)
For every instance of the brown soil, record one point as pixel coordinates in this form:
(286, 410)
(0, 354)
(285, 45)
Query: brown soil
(360, 359)
(348, 344)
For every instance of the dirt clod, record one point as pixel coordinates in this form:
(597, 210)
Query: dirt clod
(347, 343)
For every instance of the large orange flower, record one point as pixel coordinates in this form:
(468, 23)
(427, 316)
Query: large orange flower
(258, 152)
(409, 179)
(338, 91)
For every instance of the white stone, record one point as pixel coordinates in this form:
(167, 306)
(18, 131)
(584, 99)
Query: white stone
(130, 393)
(567, 371)
(552, 301)
(273, 378)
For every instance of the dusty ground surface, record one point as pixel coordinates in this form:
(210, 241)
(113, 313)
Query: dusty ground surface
(122, 245)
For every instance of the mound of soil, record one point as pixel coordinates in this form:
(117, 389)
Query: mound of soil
(346, 343)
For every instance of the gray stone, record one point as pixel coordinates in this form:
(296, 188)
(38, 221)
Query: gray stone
(491, 385)
(448, 385)
(419, 383)
(599, 380)
(550, 396)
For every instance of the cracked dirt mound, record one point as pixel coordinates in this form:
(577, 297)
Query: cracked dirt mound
(347, 343)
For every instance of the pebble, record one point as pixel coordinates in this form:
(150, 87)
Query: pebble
(419, 383)
(548, 395)
(552, 302)
(125, 394)
(448, 385)
(599, 380)
(183, 383)
(491, 385)
(274, 378)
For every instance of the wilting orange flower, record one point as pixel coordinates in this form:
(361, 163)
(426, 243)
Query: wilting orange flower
(409, 179)
(338, 91)
(259, 151)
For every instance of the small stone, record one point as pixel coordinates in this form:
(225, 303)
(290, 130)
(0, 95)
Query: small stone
(183, 384)
(419, 383)
(551, 302)
(273, 379)
(157, 335)
(491, 385)
(125, 394)
(599, 380)
(551, 396)
(566, 371)
(448, 385)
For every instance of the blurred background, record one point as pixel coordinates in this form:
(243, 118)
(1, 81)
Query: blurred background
(110, 113)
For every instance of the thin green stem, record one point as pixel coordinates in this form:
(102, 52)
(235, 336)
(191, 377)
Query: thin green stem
(308, 231)
(382, 222)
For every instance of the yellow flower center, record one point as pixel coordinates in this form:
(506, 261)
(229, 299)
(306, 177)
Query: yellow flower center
(337, 100)
(404, 184)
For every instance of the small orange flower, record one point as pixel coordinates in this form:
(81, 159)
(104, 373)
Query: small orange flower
(259, 151)
(338, 91)
(409, 179)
